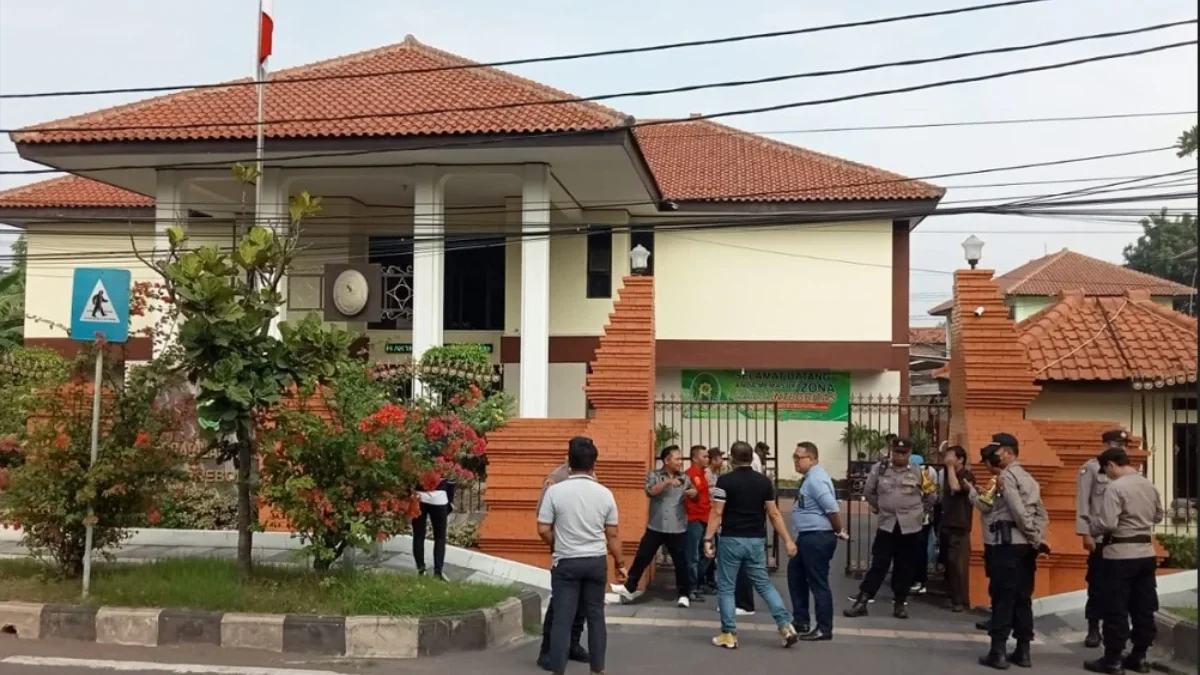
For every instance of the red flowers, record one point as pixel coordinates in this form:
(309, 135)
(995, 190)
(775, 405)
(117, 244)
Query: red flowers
(435, 430)
(370, 451)
(153, 516)
(61, 442)
(363, 506)
(430, 480)
(143, 441)
(389, 416)
(9, 443)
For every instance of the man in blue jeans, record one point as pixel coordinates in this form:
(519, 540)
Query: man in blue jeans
(818, 525)
(742, 500)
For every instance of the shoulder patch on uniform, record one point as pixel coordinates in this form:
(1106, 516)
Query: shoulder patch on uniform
(1083, 471)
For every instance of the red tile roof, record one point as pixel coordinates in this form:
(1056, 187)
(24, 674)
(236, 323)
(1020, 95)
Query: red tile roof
(367, 99)
(927, 335)
(705, 161)
(1127, 337)
(71, 192)
(1067, 271)
(690, 161)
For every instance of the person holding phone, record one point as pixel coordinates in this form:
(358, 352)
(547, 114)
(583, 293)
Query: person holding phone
(669, 490)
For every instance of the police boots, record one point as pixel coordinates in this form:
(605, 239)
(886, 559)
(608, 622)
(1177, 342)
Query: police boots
(1021, 655)
(1093, 635)
(899, 610)
(995, 658)
(1136, 661)
(859, 608)
(1109, 664)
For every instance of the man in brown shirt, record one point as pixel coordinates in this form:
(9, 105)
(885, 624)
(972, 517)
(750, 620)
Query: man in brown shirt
(957, 516)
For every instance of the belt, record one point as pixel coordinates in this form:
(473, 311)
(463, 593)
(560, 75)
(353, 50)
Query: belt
(1135, 539)
(998, 525)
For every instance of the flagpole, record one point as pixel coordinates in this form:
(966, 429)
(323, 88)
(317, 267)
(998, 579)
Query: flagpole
(260, 76)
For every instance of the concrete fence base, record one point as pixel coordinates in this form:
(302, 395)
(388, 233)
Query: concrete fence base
(352, 636)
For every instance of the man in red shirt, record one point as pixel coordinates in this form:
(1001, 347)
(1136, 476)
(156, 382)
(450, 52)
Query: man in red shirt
(698, 508)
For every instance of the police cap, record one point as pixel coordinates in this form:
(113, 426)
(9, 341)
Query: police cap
(1115, 436)
(902, 445)
(1006, 440)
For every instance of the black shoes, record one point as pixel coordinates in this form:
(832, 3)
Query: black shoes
(815, 635)
(984, 625)
(1108, 665)
(859, 608)
(1021, 655)
(1137, 663)
(899, 610)
(801, 628)
(577, 653)
(1093, 635)
(995, 658)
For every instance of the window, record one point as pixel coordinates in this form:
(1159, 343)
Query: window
(599, 262)
(395, 255)
(645, 237)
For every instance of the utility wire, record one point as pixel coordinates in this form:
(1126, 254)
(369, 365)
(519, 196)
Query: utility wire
(403, 211)
(570, 100)
(475, 143)
(539, 59)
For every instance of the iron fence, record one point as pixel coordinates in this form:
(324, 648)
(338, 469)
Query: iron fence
(871, 420)
(719, 424)
(1165, 419)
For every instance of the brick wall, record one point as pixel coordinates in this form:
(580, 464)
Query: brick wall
(620, 387)
(991, 384)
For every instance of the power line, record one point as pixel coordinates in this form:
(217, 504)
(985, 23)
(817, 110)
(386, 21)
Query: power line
(921, 125)
(477, 210)
(726, 84)
(539, 59)
(475, 143)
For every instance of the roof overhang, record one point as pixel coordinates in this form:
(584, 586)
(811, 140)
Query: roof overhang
(22, 217)
(912, 210)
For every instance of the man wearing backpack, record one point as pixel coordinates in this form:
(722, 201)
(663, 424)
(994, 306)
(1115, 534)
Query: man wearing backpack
(899, 496)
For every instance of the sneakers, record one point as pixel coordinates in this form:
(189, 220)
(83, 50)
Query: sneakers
(743, 612)
(918, 589)
(725, 641)
(683, 602)
(788, 635)
(627, 596)
(854, 598)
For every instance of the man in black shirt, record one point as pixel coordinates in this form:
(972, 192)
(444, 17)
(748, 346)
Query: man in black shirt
(742, 500)
(957, 515)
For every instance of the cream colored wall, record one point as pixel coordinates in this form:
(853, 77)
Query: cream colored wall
(816, 282)
(55, 250)
(1127, 409)
(567, 400)
(826, 435)
(1026, 306)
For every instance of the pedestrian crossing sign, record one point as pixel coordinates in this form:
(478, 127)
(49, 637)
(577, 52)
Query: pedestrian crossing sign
(100, 304)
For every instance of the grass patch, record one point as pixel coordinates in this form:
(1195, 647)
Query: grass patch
(1188, 613)
(213, 585)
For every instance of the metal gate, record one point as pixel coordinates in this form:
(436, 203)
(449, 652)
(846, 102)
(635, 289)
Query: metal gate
(871, 420)
(719, 424)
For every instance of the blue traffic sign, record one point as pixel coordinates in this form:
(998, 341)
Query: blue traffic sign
(100, 304)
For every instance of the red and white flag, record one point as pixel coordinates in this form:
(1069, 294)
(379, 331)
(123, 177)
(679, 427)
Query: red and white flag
(266, 30)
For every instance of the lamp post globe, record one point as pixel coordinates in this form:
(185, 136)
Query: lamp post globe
(973, 250)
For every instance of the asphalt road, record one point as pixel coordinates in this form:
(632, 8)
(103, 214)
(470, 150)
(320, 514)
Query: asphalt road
(632, 649)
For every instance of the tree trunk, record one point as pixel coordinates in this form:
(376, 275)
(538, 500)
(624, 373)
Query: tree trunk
(245, 516)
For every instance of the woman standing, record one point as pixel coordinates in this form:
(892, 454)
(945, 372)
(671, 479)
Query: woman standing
(436, 506)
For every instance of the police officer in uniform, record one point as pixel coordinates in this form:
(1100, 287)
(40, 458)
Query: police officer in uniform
(1089, 493)
(983, 503)
(901, 495)
(1124, 523)
(1016, 524)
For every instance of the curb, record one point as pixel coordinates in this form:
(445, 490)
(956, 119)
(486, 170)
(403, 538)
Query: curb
(1074, 601)
(350, 636)
(1176, 642)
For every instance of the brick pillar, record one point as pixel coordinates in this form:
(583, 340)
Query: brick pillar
(621, 391)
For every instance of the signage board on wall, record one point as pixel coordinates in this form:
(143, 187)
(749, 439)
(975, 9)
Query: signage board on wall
(817, 395)
(406, 347)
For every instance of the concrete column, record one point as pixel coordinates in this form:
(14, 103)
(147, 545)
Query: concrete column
(274, 214)
(429, 250)
(534, 399)
(169, 210)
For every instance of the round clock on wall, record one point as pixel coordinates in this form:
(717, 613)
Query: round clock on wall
(350, 292)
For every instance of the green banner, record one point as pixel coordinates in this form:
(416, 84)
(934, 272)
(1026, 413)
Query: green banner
(818, 395)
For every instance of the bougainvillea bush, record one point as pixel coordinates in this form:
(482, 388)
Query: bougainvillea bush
(48, 493)
(344, 463)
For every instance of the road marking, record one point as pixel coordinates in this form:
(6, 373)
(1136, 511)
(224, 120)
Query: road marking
(144, 666)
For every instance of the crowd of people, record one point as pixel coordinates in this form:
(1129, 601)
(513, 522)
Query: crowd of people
(712, 521)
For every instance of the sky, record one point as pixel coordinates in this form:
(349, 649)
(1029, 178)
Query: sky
(69, 44)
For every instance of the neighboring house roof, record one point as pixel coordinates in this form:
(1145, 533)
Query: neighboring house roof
(690, 160)
(1084, 338)
(71, 192)
(702, 160)
(1127, 337)
(927, 335)
(1067, 270)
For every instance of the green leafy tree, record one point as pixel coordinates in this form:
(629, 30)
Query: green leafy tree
(1187, 142)
(226, 304)
(12, 298)
(1164, 238)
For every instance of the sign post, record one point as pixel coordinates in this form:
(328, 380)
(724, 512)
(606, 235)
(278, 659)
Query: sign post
(99, 312)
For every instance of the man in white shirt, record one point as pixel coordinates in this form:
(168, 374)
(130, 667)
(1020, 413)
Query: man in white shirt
(578, 519)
